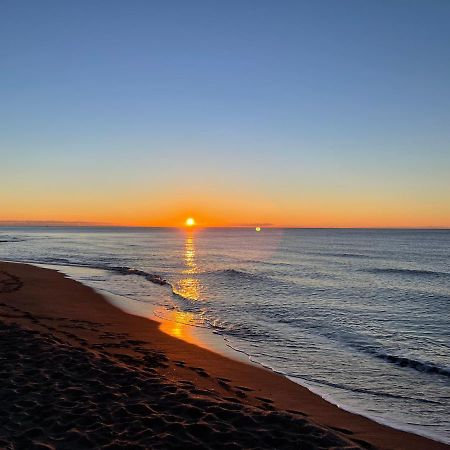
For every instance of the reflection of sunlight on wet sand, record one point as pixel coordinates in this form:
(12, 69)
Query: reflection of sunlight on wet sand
(179, 324)
(176, 324)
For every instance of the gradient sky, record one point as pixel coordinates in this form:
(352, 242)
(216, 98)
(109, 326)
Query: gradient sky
(293, 113)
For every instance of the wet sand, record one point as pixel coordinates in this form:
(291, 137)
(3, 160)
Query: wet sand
(78, 373)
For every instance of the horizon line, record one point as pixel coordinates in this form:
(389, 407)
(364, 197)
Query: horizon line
(14, 224)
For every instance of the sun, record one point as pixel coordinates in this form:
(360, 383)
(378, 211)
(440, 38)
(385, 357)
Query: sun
(190, 222)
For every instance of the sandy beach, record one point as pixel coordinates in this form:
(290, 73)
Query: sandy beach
(78, 373)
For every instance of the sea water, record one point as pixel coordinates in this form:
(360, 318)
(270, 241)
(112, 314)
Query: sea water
(359, 316)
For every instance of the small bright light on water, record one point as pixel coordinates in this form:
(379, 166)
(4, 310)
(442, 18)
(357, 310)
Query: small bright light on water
(258, 229)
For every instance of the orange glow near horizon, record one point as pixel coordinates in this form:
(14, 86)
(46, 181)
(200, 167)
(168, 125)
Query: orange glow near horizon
(190, 222)
(223, 209)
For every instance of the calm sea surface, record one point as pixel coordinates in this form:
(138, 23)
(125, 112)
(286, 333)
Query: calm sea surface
(360, 316)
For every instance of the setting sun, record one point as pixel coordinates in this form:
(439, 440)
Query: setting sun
(190, 222)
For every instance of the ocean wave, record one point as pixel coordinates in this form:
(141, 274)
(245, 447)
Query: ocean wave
(124, 270)
(153, 278)
(362, 390)
(345, 255)
(310, 379)
(400, 361)
(267, 263)
(412, 272)
(238, 274)
(349, 255)
(7, 239)
(420, 366)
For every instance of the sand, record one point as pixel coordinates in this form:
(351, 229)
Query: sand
(78, 373)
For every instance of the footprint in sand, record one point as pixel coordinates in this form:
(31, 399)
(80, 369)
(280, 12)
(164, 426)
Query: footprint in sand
(9, 283)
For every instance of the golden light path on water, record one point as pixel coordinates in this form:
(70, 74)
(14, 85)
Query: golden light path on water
(185, 325)
(189, 286)
(181, 324)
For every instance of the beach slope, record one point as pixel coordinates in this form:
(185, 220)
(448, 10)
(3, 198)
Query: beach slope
(78, 373)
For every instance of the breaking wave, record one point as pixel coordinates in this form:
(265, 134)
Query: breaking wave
(7, 239)
(157, 279)
(401, 361)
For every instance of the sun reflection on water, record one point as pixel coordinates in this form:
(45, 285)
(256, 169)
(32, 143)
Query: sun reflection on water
(181, 324)
(189, 286)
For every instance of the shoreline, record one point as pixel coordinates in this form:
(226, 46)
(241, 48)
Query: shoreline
(203, 337)
(46, 296)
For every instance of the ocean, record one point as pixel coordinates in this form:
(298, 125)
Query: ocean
(359, 316)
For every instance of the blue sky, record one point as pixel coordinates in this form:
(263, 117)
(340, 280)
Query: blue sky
(288, 101)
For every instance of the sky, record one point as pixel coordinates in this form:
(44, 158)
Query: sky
(283, 113)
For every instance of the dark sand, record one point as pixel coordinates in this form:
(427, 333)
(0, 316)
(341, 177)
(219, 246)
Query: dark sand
(77, 373)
